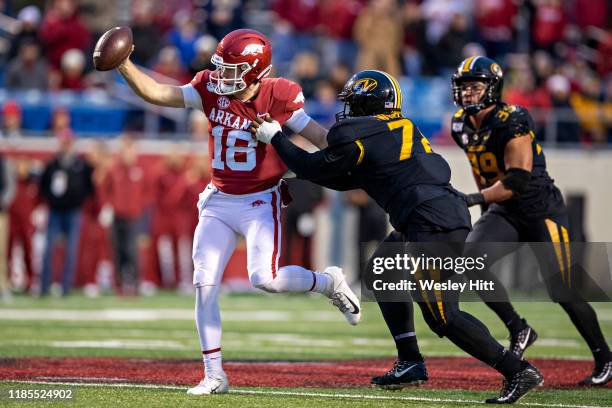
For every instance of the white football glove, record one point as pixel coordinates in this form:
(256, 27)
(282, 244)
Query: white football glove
(267, 130)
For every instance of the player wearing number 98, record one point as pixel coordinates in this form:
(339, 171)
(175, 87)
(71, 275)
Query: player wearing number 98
(244, 197)
(523, 203)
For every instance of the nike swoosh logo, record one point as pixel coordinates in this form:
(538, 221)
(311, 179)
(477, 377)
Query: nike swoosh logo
(603, 376)
(355, 308)
(400, 373)
(524, 343)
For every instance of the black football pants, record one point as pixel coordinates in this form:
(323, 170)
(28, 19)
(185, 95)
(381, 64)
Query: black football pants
(441, 310)
(499, 226)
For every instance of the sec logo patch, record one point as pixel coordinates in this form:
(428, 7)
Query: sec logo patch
(223, 102)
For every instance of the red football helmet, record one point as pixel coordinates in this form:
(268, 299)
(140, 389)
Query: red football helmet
(242, 58)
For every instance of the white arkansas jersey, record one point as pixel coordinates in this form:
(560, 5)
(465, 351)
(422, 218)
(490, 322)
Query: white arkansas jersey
(241, 164)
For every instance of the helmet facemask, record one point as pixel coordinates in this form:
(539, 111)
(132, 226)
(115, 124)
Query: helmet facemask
(228, 78)
(490, 96)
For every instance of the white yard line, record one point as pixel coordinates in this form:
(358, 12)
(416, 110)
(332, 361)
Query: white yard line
(300, 394)
(140, 315)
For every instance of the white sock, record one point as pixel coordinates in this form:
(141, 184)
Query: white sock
(208, 322)
(323, 283)
(293, 278)
(212, 363)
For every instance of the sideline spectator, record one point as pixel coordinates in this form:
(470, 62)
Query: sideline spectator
(170, 266)
(205, 47)
(70, 76)
(184, 36)
(587, 105)
(60, 120)
(95, 248)
(295, 22)
(29, 18)
(28, 70)
(566, 122)
(7, 191)
(11, 120)
(379, 33)
(452, 42)
(169, 64)
(62, 30)
(22, 229)
(549, 21)
(223, 16)
(65, 184)
(337, 21)
(147, 36)
(125, 191)
(494, 21)
(305, 71)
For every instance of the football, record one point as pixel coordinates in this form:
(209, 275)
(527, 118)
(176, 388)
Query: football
(113, 47)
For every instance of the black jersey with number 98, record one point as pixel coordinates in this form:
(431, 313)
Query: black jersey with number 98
(485, 150)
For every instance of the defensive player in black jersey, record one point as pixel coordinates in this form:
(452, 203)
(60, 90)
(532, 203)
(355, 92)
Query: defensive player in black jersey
(373, 147)
(523, 202)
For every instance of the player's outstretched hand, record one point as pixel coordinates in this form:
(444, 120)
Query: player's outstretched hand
(265, 130)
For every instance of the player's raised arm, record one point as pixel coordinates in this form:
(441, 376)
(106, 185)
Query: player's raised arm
(113, 51)
(149, 89)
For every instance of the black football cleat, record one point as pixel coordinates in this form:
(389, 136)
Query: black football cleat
(601, 375)
(517, 386)
(403, 374)
(521, 340)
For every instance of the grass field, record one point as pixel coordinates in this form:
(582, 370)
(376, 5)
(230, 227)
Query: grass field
(260, 327)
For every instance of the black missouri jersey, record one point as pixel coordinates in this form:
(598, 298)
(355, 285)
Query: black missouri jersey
(398, 169)
(485, 151)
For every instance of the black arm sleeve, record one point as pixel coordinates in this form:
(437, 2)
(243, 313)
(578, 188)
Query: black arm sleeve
(318, 166)
(340, 183)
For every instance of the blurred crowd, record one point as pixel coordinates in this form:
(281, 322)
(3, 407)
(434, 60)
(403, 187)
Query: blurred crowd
(124, 220)
(557, 54)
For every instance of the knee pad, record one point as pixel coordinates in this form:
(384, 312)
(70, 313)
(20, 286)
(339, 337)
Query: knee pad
(269, 286)
(266, 284)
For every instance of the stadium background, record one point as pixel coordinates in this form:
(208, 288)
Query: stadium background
(557, 56)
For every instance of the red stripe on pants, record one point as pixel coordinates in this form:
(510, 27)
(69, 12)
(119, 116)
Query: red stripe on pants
(275, 216)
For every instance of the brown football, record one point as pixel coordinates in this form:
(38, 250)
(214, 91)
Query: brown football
(113, 47)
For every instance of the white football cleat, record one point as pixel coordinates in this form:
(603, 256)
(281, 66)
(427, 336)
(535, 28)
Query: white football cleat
(343, 297)
(211, 385)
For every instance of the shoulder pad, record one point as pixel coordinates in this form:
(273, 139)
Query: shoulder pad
(284, 89)
(517, 114)
(350, 129)
(513, 117)
(458, 121)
